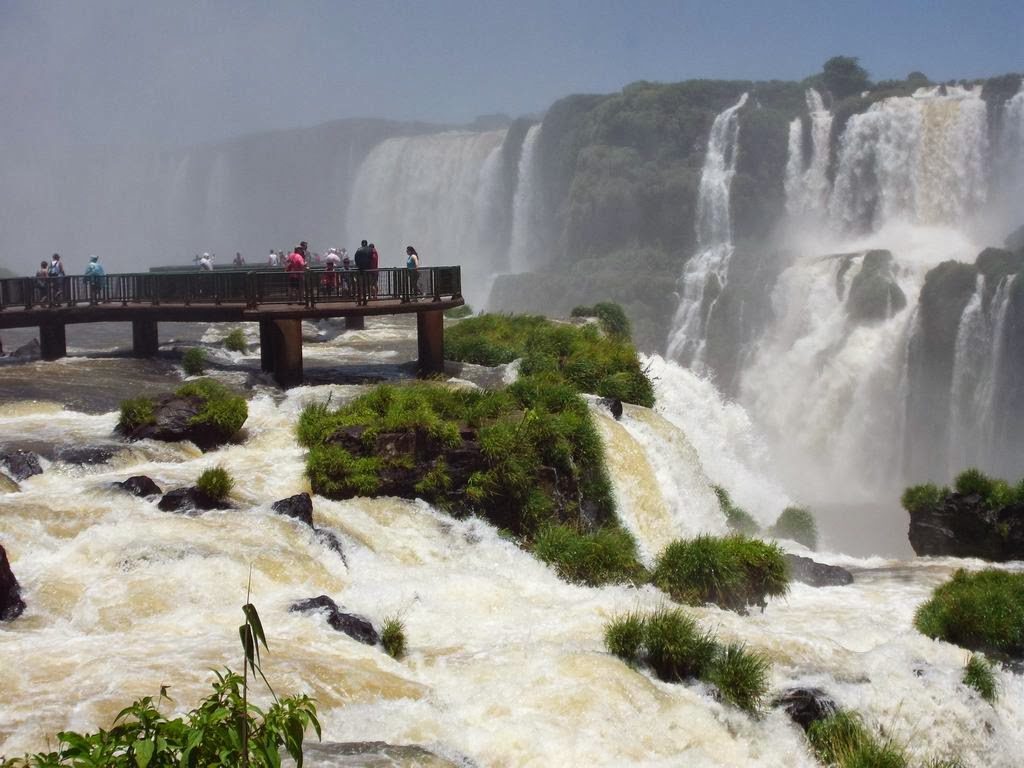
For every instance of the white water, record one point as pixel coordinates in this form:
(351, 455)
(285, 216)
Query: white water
(807, 185)
(436, 193)
(506, 664)
(526, 249)
(710, 265)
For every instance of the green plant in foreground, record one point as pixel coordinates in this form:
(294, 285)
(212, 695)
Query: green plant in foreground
(677, 649)
(978, 674)
(982, 611)
(798, 524)
(392, 637)
(624, 636)
(741, 676)
(844, 741)
(235, 341)
(222, 410)
(605, 556)
(194, 361)
(136, 412)
(215, 483)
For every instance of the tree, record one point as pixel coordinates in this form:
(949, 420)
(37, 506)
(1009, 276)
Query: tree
(844, 77)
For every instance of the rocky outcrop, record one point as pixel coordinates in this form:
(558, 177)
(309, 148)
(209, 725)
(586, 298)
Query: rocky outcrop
(299, 507)
(11, 604)
(614, 406)
(353, 625)
(190, 500)
(371, 754)
(140, 485)
(21, 465)
(963, 525)
(175, 420)
(874, 293)
(806, 705)
(808, 571)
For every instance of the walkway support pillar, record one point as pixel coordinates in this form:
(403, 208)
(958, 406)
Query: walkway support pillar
(287, 344)
(53, 342)
(430, 340)
(267, 345)
(355, 323)
(145, 338)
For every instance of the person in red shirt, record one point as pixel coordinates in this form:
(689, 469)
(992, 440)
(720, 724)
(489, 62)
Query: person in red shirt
(295, 266)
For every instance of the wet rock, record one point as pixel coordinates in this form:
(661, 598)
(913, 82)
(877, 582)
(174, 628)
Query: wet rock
(140, 485)
(874, 293)
(806, 705)
(29, 351)
(7, 485)
(21, 464)
(371, 754)
(614, 406)
(11, 604)
(90, 454)
(299, 507)
(174, 422)
(963, 525)
(808, 571)
(356, 627)
(190, 499)
(330, 539)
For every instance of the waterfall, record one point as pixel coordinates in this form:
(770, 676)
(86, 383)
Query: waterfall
(807, 186)
(1009, 162)
(708, 268)
(919, 159)
(425, 191)
(525, 249)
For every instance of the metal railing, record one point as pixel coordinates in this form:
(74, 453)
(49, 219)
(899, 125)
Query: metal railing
(250, 288)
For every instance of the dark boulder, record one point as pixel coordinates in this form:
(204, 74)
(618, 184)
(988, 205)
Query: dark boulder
(352, 625)
(806, 705)
(21, 464)
(175, 421)
(808, 571)
(11, 604)
(874, 293)
(140, 485)
(372, 754)
(614, 406)
(963, 525)
(299, 507)
(189, 500)
(87, 454)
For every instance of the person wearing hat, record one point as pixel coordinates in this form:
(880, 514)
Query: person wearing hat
(331, 262)
(94, 274)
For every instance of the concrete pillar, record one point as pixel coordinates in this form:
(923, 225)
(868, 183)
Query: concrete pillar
(145, 339)
(287, 345)
(430, 339)
(267, 345)
(355, 323)
(53, 343)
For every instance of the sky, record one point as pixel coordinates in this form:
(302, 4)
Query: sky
(188, 71)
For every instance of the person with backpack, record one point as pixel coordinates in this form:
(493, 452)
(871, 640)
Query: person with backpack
(56, 273)
(94, 274)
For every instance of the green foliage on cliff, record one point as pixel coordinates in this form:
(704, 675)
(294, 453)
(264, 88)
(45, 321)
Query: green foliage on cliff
(797, 523)
(982, 611)
(843, 76)
(590, 362)
(611, 316)
(736, 517)
(733, 572)
(919, 498)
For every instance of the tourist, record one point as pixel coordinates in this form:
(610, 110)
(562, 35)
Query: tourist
(42, 280)
(346, 279)
(272, 259)
(239, 259)
(330, 280)
(412, 264)
(363, 257)
(374, 266)
(94, 274)
(56, 273)
(295, 266)
(206, 263)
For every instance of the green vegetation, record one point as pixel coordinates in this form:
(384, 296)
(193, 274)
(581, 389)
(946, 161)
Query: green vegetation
(235, 341)
(978, 674)
(918, 498)
(844, 741)
(226, 729)
(215, 483)
(392, 637)
(982, 611)
(843, 77)
(610, 315)
(736, 517)
(605, 556)
(135, 413)
(733, 571)
(672, 644)
(456, 313)
(995, 493)
(798, 524)
(194, 361)
(600, 365)
(222, 410)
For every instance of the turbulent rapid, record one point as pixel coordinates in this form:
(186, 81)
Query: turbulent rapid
(506, 664)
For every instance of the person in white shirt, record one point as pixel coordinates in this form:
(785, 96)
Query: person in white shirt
(206, 262)
(272, 260)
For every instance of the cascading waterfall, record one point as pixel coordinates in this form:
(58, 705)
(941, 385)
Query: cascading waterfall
(431, 192)
(709, 266)
(807, 185)
(525, 249)
(1009, 164)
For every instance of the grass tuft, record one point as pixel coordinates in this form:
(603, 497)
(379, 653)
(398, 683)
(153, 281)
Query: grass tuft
(737, 518)
(919, 498)
(844, 741)
(235, 341)
(979, 675)
(392, 637)
(677, 649)
(194, 361)
(215, 483)
(798, 524)
(741, 676)
(624, 636)
(606, 556)
(222, 410)
(135, 413)
(974, 481)
(982, 611)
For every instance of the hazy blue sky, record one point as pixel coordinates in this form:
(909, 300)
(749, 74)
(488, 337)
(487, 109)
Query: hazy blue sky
(181, 72)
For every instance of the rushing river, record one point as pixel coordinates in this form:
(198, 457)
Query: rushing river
(506, 664)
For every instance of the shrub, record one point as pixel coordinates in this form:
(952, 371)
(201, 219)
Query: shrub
(983, 611)
(737, 518)
(973, 481)
(455, 313)
(194, 361)
(337, 474)
(978, 674)
(215, 483)
(611, 316)
(844, 741)
(919, 498)
(608, 555)
(392, 637)
(798, 524)
(235, 341)
(733, 571)
(222, 410)
(624, 636)
(677, 649)
(135, 413)
(741, 676)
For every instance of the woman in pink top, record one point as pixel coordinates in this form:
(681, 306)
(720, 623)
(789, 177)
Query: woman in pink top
(295, 267)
